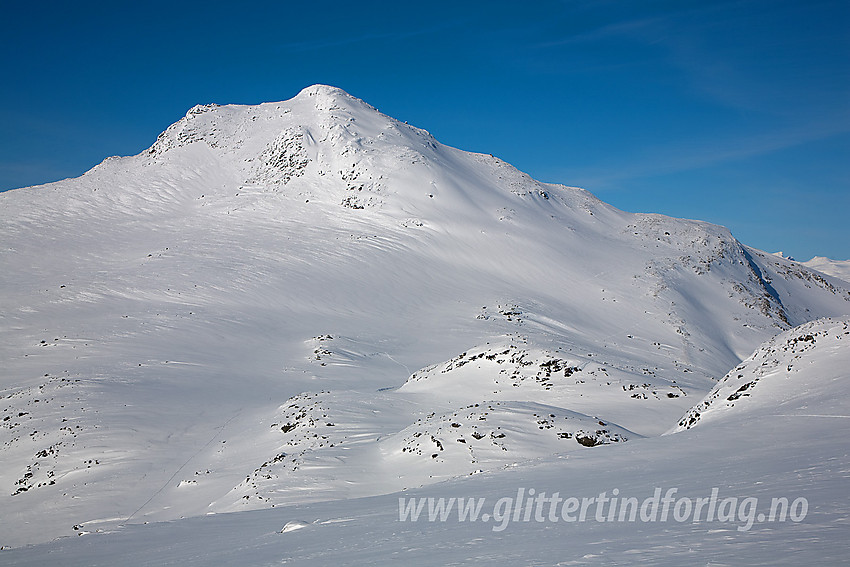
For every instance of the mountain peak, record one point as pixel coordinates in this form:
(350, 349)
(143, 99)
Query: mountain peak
(322, 90)
(329, 98)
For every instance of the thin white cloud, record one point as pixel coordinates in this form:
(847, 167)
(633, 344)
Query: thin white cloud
(705, 153)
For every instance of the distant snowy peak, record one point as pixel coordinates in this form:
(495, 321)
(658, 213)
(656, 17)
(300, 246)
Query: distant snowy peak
(835, 268)
(802, 367)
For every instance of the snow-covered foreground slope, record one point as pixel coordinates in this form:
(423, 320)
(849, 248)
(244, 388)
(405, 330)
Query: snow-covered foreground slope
(778, 478)
(800, 368)
(308, 301)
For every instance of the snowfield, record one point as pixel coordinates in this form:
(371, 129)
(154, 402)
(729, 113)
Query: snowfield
(247, 343)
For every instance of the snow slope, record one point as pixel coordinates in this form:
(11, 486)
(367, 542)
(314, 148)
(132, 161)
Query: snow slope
(797, 451)
(797, 369)
(296, 302)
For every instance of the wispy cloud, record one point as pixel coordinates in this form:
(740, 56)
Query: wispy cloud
(663, 160)
(750, 55)
(605, 32)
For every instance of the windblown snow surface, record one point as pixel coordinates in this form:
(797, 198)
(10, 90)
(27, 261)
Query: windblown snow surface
(246, 344)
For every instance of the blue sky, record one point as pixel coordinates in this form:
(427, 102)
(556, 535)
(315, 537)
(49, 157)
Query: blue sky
(735, 112)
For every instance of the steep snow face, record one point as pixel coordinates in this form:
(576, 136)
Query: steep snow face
(798, 372)
(171, 312)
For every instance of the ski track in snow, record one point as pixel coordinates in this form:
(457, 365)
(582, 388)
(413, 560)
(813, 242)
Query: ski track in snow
(173, 476)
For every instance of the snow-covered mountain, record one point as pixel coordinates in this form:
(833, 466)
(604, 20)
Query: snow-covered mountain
(309, 301)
